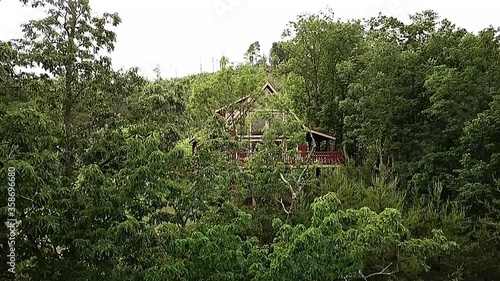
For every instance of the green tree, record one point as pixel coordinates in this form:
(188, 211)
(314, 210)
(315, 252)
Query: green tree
(68, 44)
(212, 91)
(356, 244)
(315, 47)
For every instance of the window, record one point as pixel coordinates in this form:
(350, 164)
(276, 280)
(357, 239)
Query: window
(257, 127)
(322, 146)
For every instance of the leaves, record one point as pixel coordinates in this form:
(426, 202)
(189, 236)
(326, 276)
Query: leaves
(120, 178)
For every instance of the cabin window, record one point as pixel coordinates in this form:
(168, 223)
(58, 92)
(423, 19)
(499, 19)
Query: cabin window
(257, 127)
(322, 146)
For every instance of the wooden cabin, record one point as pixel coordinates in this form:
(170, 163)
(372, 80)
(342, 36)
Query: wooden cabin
(324, 154)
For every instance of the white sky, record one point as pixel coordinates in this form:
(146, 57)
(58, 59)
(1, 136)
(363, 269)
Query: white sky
(178, 35)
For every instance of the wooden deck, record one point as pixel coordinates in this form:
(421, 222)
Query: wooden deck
(323, 158)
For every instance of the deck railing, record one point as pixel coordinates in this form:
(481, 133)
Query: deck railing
(318, 157)
(328, 157)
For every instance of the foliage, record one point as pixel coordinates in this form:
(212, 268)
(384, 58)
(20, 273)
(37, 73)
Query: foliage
(211, 91)
(121, 178)
(350, 241)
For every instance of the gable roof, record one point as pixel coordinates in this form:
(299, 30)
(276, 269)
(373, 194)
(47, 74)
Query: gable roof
(269, 86)
(326, 136)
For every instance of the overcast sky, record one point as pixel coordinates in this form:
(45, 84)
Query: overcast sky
(180, 35)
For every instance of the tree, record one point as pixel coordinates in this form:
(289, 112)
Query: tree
(216, 90)
(8, 58)
(68, 44)
(316, 45)
(351, 242)
(121, 178)
(252, 55)
(480, 189)
(277, 55)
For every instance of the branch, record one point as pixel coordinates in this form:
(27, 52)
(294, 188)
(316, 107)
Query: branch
(282, 205)
(302, 174)
(310, 133)
(79, 92)
(309, 156)
(288, 184)
(24, 197)
(383, 272)
(299, 180)
(107, 161)
(12, 149)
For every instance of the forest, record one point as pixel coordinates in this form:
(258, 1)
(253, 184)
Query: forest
(100, 172)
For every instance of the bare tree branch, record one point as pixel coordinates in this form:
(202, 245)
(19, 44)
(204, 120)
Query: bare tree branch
(290, 187)
(383, 272)
(282, 205)
(24, 197)
(295, 192)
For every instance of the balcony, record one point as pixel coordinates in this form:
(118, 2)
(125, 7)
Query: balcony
(328, 157)
(324, 158)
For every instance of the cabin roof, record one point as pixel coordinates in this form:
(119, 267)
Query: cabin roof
(269, 86)
(326, 136)
(243, 99)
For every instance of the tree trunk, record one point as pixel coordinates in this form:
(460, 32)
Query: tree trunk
(69, 148)
(291, 210)
(69, 158)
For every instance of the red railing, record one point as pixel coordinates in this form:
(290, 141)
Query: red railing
(319, 157)
(328, 157)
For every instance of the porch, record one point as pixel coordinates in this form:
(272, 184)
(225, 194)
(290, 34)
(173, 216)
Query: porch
(323, 158)
(324, 153)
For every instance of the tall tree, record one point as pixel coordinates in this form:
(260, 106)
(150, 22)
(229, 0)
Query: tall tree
(316, 46)
(69, 44)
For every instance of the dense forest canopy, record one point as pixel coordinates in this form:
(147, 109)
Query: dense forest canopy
(108, 185)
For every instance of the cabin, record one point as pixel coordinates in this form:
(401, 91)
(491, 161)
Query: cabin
(236, 113)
